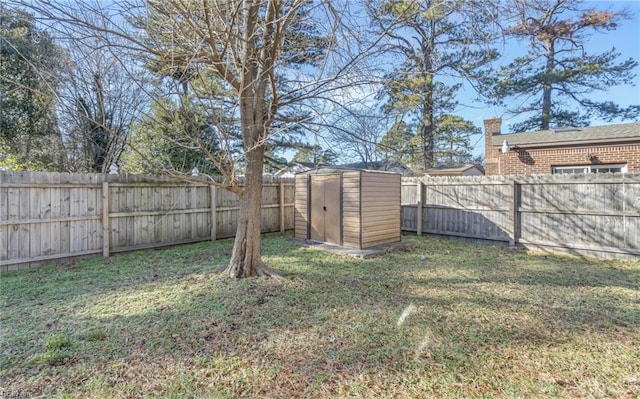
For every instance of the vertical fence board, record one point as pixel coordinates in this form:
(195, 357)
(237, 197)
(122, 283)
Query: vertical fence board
(213, 200)
(35, 228)
(4, 216)
(55, 208)
(65, 211)
(106, 235)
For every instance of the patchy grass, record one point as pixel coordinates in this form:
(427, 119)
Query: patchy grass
(446, 320)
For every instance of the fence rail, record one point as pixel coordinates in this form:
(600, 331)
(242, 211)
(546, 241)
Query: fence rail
(582, 214)
(49, 216)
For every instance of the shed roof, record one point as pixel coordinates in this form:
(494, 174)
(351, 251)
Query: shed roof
(571, 136)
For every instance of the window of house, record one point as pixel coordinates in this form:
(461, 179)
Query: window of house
(589, 169)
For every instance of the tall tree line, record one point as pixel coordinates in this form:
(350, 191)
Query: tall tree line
(438, 45)
(75, 97)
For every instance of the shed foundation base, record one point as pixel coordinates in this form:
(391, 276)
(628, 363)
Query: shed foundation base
(355, 252)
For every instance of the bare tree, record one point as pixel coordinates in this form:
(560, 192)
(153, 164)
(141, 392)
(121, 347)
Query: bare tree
(355, 134)
(98, 104)
(245, 46)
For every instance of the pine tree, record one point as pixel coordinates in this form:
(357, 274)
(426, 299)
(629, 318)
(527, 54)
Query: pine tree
(438, 44)
(316, 155)
(30, 62)
(401, 145)
(453, 139)
(556, 78)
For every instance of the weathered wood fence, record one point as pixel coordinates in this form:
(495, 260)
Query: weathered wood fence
(591, 214)
(46, 216)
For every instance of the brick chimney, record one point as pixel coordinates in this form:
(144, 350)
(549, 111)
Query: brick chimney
(492, 127)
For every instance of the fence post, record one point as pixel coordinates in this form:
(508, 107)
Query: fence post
(106, 233)
(515, 204)
(420, 202)
(282, 227)
(214, 212)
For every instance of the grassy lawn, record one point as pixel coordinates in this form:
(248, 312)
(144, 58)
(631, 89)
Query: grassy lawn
(446, 320)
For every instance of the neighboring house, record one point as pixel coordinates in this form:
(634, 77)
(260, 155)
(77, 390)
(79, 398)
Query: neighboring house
(593, 149)
(466, 169)
(297, 167)
(381, 166)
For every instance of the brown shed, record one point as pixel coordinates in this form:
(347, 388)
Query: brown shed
(350, 208)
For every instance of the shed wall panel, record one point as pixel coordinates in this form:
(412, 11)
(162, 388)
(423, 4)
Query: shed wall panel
(351, 209)
(301, 216)
(381, 211)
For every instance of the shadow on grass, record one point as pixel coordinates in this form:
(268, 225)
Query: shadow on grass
(125, 272)
(335, 324)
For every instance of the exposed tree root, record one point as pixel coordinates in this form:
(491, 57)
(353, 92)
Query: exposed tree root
(264, 271)
(261, 271)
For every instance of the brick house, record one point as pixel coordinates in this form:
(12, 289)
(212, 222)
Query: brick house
(594, 149)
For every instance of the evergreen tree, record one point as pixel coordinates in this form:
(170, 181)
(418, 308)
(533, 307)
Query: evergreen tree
(193, 78)
(555, 80)
(453, 139)
(438, 44)
(30, 63)
(174, 136)
(401, 145)
(316, 155)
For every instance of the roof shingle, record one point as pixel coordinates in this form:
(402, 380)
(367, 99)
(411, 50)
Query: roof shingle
(571, 135)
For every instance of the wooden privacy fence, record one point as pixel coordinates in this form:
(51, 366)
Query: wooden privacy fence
(593, 214)
(46, 216)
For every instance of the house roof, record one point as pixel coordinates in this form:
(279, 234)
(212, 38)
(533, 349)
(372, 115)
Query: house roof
(297, 167)
(571, 136)
(377, 166)
(331, 170)
(452, 170)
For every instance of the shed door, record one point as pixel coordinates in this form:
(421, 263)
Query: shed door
(325, 209)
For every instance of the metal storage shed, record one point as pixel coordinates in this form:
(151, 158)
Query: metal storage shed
(350, 208)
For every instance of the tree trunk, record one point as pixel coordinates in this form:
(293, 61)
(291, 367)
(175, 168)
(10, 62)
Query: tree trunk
(245, 257)
(427, 139)
(545, 121)
(426, 130)
(246, 260)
